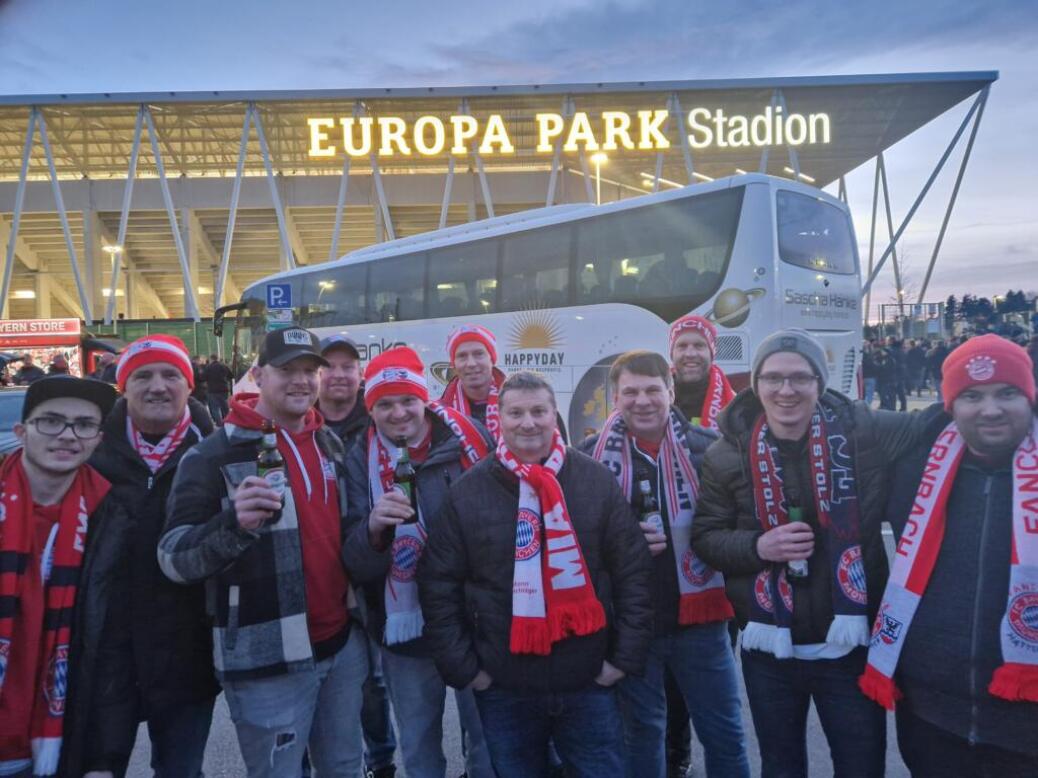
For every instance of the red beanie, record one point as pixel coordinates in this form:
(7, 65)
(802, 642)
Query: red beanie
(693, 323)
(988, 359)
(151, 349)
(474, 333)
(397, 371)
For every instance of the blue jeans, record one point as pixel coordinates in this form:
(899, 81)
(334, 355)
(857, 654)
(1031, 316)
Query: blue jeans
(379, 738)
(178, 736)
(780, 692)
(870, 390)
(418, 694)
(277, 718)
(700, 658)
(585, 726)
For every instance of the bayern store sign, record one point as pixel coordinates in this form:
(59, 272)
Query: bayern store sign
(460, 134)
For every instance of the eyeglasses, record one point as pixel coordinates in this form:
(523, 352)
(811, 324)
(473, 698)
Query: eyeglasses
(53, 426)
(799, 381)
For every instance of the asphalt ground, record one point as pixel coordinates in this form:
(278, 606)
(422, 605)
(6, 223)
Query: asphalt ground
(223, 760)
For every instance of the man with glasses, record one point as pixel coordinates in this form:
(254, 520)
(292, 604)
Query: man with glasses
(790, 510)
(149, 431)
(64, 698)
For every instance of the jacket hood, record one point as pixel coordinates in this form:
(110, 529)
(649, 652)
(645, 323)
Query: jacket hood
(737, 419)
(243, 414)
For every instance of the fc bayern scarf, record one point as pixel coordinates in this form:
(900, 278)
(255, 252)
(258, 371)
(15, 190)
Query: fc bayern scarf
(917, 552)
(454, 397)
(718, 394)
(701, 587)
(836, 503)
(156, 454)
(552, 594)
(60, 564)
(404, 620)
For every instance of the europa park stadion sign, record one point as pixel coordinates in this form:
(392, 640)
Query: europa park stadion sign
(430, 135)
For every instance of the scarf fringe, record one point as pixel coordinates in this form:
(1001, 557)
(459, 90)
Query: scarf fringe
(403, 626)
(768, 638)
(848, 631)
(529, 636)
(705, 607)
(878, 688)
(46, 752)
(1015, 682)
(574, 619)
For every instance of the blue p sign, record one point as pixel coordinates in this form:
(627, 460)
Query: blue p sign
(279, 295)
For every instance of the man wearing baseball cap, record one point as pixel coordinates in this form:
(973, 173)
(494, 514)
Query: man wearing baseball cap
(790, 509)
(701, 390)
(271, 558)
(65, 696)
(387, 539)
(150, 429)
(340, 397)
(955, 645)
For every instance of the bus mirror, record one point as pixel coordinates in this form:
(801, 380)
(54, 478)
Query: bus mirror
(221, 313)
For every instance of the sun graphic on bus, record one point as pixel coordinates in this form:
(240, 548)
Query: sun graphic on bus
(535, 330)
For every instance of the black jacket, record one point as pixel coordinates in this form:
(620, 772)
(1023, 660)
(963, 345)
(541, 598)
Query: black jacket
(353, 426)
(169, 630)
(369, 567)
(953, 647)
(726, 528)
(465, 581)
(666, 595)
(218, 378)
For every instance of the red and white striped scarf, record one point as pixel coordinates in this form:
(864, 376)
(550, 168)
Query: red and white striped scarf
(701, 587)
(718, 394)
(60, 565)
(156, 454)
(916, 556)
(454, 397)
(552, 594)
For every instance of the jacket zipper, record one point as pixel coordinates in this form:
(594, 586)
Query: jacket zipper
(974, 637)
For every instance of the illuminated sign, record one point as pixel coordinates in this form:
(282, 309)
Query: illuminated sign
(429, 135)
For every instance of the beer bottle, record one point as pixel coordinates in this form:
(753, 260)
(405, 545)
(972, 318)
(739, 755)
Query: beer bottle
(650, 508)
(796, 569)
(404, 478)
(270, 465)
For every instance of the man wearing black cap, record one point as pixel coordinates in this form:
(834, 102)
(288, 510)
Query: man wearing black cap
(63, 693)
(290, 666)
(340, 398)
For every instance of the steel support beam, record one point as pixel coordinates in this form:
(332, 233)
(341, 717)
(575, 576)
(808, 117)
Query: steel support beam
(556, 158)
(286, 245)
(19, 201)
(686, 148)
(448, 185)
(898, 287)
(221, 275)
(131, 174)
(340, 202)
(383, 204)
(763, 166)
(872, 240)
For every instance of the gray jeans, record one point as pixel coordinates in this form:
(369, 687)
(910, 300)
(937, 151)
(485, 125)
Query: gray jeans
(278, 718)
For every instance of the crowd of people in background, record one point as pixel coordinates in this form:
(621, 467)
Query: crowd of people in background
(339, 549)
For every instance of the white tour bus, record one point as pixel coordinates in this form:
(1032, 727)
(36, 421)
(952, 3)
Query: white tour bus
(566, 289)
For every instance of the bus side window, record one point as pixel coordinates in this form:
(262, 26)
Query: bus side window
(463, 279)
(336, 296)
(535, 270)
(396, 291)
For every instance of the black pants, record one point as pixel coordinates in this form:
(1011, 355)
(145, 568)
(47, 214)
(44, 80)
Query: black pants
(932, 752)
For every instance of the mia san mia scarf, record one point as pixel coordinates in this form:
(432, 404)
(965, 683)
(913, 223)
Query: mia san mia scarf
(404, 621)
(920, 545)
(701, 588)
(552, 594)
(836, 504)
(454, 397)
(60, 565)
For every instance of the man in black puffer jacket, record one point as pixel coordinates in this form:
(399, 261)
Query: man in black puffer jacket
(541, 651)
(758, 519)
(145, 436)
(968, 662)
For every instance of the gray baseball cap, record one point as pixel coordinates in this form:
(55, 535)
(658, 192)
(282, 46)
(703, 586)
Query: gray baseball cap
(339, 341)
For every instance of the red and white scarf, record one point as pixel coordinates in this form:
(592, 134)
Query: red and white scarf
(454, 397)
(552, 594)
(404, 621)
(718, 394)
(916, 556)
(60, 565)
(156, 454)
(701, 587)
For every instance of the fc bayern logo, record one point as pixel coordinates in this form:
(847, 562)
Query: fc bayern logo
(57, 682)
(851, 575)
(761, 593)
(981, 368)
(527, 535)
(785, 592)
(695, 569)
(406, 550)
(1023, 616)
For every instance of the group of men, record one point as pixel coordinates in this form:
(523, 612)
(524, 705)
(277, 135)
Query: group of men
(556, 589)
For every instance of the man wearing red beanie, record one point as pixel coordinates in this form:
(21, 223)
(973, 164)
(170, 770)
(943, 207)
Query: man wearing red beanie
(477, 380)
(386, 539)
(955, 644)
(701, 390)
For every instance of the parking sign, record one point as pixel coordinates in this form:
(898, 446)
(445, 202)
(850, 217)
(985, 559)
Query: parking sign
(279, 295)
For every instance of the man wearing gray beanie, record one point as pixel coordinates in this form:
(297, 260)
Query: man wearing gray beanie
(790, 509)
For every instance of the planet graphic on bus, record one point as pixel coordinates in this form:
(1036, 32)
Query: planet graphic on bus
(732, 306)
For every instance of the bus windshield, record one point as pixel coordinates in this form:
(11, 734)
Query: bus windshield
(814, 234)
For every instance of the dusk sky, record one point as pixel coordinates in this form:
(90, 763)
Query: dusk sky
(48, 46)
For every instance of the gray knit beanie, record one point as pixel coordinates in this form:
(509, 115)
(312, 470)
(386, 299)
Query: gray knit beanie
(796, 341)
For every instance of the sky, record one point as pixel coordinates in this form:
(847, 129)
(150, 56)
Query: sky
(51, 46)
